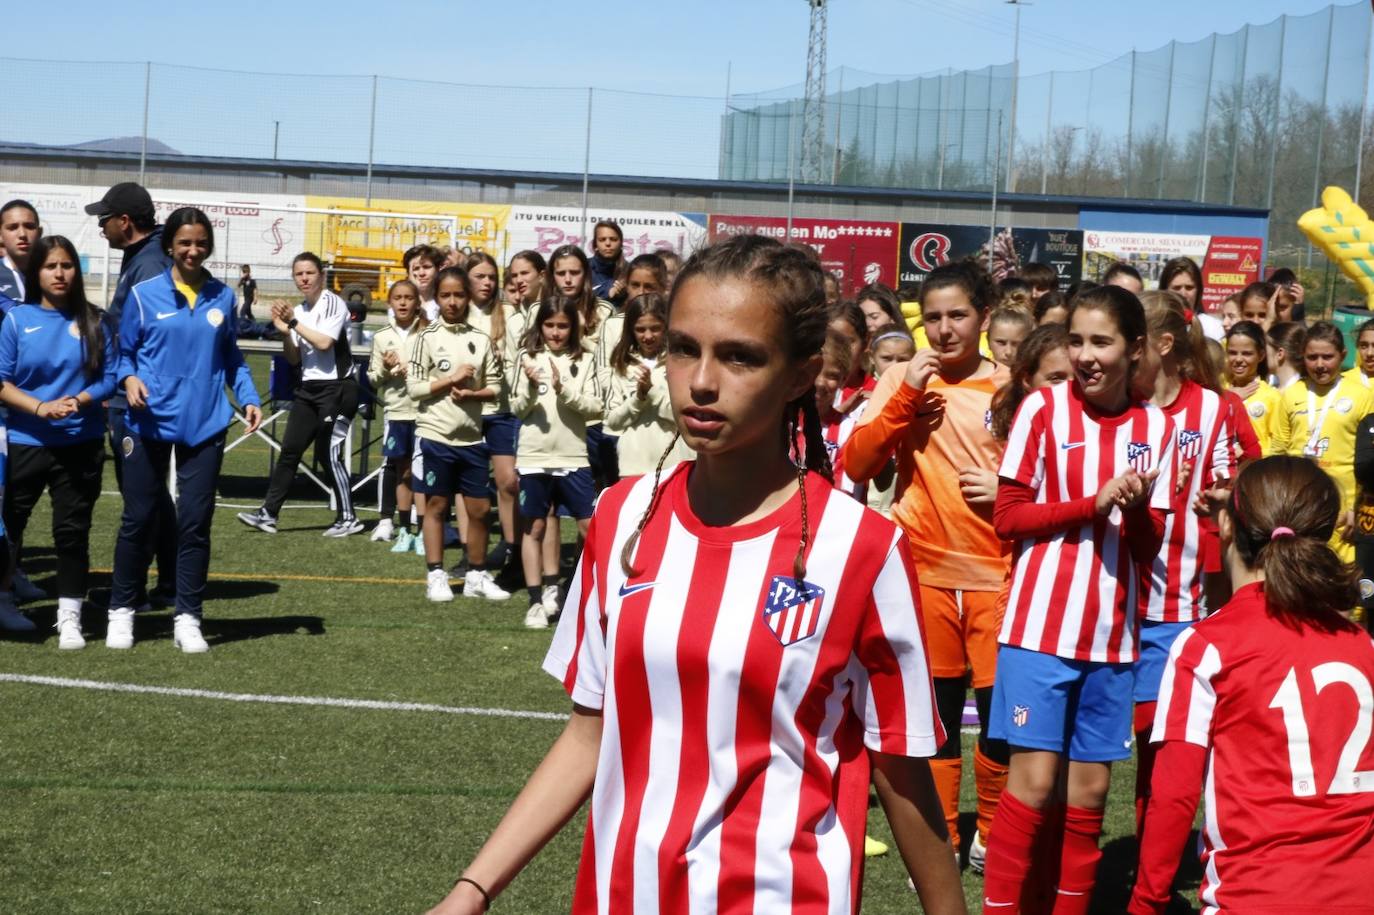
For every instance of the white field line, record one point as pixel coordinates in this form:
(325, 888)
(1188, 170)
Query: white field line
(329, 701)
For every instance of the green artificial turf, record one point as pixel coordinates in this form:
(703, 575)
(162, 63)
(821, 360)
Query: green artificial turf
(134, 803)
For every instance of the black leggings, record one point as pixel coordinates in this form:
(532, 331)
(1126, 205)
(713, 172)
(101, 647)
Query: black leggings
(71, 474)
(321, 413)
(950, 693)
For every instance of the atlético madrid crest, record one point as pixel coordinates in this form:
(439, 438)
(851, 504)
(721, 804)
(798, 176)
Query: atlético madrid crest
(1139, 455)
(792, 608)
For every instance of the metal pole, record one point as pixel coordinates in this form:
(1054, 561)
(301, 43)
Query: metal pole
(371, 139)
(1321, 127)
(147, 92)
(1278, 100)
(1049, 132)
(1207, 122)
(1130, 128)
(996, 174)
(1235, 133)
(1364, 115)
(1168, 104)
(586, 165)
(1015, 83)
(105, 280)
(276, 135)
(839, 116)
(791, 166)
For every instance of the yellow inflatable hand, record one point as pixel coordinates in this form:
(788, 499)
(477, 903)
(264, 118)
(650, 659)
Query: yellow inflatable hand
(911, 311)
(1345, 233)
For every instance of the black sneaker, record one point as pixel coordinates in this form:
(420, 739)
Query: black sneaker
(259, 520)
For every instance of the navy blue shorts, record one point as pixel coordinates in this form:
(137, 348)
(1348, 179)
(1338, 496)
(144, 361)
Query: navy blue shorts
(1155, 642)
(501, 431)
(574, 491)
(442, 470)
(1081, 709)
(399, 441)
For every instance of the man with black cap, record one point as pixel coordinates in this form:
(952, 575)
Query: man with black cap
(128, 221)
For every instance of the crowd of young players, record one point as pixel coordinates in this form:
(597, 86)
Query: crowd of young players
(1069, 480)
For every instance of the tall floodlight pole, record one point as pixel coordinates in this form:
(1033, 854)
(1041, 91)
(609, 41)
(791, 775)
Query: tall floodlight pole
(1015, 85)
(813, 158)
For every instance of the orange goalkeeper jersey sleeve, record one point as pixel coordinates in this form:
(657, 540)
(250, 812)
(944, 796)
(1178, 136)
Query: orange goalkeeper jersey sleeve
(935, 434)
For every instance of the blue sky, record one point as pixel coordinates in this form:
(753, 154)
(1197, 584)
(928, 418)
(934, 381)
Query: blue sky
(659, 46)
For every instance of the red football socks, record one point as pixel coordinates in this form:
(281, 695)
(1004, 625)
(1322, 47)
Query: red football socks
(1078, 860)
(1011, 843)
(1145, 762)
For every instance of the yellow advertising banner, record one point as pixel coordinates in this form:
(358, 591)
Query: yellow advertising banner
(381, 235)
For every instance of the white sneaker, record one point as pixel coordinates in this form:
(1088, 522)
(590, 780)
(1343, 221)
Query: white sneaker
(119, 631)
(480, 584)
(186, 634)
(550, 600)
(382, 531)
(537, 617)
(345, 527)
(11, 620)
(25, 590)
(977, 854)
(69, 630)
(437, 587)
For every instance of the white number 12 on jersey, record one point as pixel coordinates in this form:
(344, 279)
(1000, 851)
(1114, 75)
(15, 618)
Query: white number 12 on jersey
(1348, 779)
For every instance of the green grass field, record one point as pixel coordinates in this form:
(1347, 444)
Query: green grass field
(136, 803)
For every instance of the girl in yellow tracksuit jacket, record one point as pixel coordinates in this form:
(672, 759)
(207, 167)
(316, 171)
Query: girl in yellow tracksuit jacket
(637, 405)
(393, 349)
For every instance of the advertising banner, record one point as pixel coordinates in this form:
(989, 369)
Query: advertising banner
(1228, 263)
(263, 230)
(857, 251)
(468, 227)
(543, 229)
(926, 246)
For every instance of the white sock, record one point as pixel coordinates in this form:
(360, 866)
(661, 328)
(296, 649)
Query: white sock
(69, 603)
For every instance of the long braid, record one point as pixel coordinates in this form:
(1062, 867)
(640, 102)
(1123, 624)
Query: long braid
(816, 459)
(628, 551)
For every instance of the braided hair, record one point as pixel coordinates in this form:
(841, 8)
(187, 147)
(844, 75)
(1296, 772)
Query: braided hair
(792, 278)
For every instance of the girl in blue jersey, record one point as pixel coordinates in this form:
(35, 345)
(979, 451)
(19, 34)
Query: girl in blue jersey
(177, 351)
(57, 365)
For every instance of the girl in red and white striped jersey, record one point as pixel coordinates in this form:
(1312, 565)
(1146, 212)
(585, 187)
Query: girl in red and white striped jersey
(1185, 388)
(1087, 477)
(740, 645)
(1265, 706)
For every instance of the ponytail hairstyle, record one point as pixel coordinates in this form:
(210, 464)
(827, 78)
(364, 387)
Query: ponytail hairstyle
(1176, 266)
(1283, 511)
(848, 311)
(614, 226)
(968, 275)
(1255, 334)
(1168, 313)
(1290, 337)
(792, 279)
(1126, 312)
(89, 322)
(535, 260)
(461, 275)
(548, 307)
(585, 298)
(1040, 341)
(498, 314)
(652, 263)
(1014, 292)
(1262, 291)
(653, 305)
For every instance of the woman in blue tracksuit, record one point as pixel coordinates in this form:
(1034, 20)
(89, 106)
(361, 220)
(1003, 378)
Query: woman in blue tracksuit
(177, 351)
(57, 365)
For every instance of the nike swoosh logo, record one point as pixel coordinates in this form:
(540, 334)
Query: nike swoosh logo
(997, 905)
(29, 330)
(163, 315)
(1069, 446)
(627, 589)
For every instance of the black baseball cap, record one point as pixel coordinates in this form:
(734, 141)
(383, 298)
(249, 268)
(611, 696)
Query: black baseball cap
(128, 198)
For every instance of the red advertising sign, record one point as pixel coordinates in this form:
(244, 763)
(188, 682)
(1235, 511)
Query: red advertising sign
(1231, 264)
(857, 251)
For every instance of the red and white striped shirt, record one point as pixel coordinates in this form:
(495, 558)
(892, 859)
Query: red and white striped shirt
(1073, 593)
(1284, 715)
(1171, 588)
(732, 775)
(838, 428)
